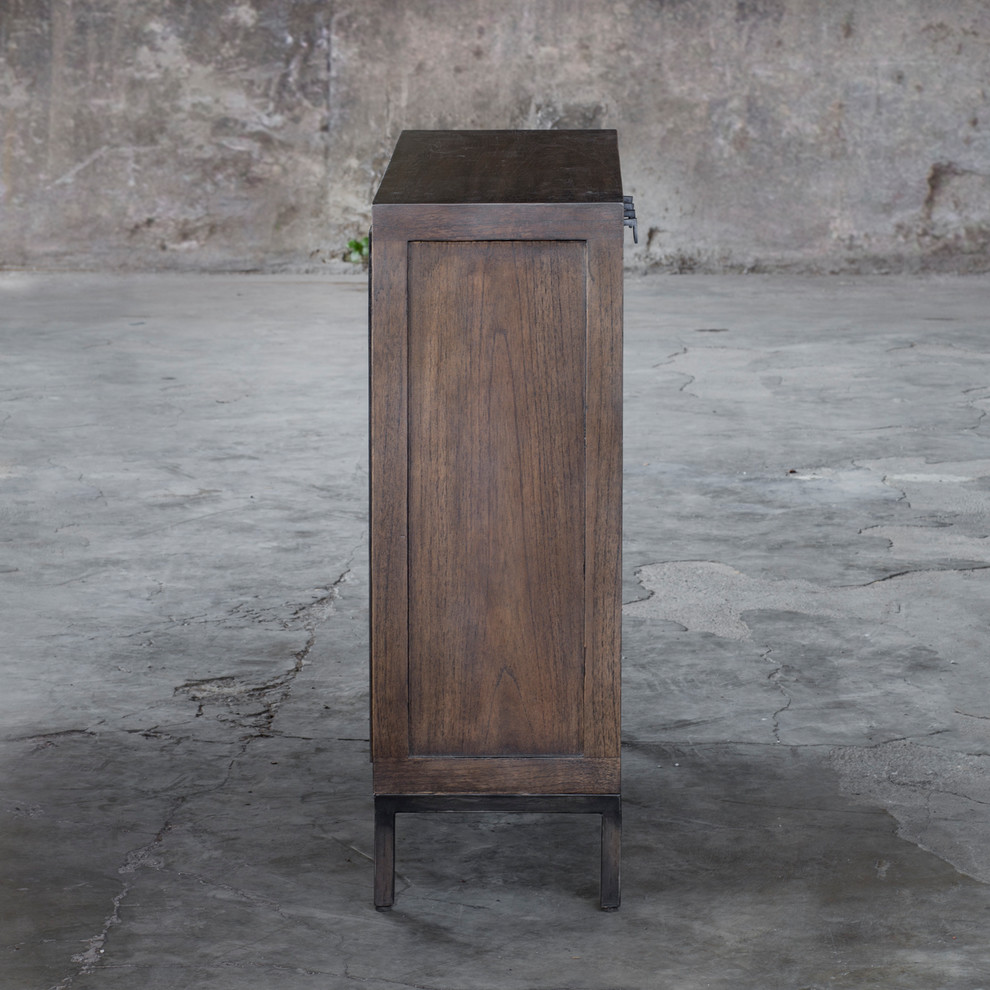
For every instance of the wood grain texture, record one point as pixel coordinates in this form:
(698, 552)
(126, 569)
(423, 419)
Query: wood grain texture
(496, 462)
(603, 587)
(579, 166)
(575, 775)
(489, 222)
(387, 469)
(497, 344)
(532, 804)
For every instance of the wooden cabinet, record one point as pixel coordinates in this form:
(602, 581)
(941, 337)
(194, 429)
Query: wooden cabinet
(496, 472)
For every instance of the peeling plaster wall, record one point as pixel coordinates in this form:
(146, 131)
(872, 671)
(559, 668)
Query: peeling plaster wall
(250, 134)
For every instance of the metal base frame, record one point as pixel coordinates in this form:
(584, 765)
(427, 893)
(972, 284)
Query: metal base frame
(387, 806)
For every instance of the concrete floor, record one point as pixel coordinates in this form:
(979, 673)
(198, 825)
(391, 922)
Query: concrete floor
(183, 568)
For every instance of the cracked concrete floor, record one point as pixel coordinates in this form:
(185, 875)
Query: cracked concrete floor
(183, 562)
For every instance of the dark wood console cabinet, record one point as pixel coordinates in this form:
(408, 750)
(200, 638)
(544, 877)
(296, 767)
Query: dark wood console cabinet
(496, 480)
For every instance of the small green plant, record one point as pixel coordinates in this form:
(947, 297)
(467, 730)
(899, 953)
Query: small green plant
(357, 251)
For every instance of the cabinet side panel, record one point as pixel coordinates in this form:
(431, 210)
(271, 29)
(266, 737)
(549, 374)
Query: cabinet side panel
(496, 468)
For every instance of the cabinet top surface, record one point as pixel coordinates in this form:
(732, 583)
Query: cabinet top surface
(503, 167)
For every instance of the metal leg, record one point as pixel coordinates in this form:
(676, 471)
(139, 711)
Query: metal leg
(611, 855)
(384, 853)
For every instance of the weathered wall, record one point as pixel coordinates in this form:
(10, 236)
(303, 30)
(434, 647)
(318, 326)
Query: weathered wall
(250, 134)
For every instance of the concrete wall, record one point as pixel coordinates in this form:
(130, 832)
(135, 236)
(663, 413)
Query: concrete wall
(250, 134)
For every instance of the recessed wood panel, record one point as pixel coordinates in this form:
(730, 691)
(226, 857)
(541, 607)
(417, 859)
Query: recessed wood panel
(496, 386)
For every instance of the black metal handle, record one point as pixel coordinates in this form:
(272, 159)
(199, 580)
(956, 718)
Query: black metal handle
(629, 217)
